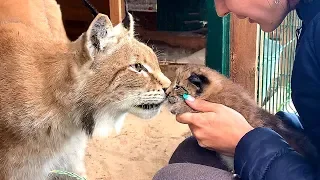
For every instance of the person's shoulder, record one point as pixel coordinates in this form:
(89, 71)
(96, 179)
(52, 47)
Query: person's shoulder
(315, 33)
(308, 9)
(311, 30)
(316, 20)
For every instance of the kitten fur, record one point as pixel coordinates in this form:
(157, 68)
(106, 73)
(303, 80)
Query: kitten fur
(205, 83)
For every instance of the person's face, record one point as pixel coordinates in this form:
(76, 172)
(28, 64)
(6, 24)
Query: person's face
(268, 13)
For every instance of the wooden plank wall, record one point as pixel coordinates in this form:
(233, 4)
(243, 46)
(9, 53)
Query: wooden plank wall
(75, 9)
(117, 11)
(243, 52)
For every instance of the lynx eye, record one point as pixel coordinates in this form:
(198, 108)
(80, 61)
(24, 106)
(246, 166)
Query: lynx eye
(138, 67)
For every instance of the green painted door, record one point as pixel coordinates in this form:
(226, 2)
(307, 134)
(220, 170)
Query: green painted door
(218, 41)
(186, 15)
(180, 15)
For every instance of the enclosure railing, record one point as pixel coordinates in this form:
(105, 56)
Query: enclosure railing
(275, 62)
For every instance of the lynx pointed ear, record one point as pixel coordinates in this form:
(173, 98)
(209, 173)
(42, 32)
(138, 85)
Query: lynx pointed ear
(128, 22)
(97, 35)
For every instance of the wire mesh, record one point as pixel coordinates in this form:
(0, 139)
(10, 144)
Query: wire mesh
(275, 61)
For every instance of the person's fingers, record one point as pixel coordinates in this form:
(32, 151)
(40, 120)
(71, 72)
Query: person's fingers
(201, 105)
(185, 118)
(195, 118)
(189, 118)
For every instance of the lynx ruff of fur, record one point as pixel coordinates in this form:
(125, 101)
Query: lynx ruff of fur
(54, 95)
(215, 87)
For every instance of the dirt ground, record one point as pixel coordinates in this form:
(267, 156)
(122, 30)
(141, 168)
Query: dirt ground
(138, 152)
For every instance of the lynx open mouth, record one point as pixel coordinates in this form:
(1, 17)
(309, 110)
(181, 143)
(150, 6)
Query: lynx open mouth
(148, 106)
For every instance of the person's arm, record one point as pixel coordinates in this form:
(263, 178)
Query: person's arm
(262, 154)
(306, 80)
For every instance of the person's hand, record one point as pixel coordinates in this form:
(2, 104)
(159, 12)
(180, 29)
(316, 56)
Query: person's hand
(217, 127)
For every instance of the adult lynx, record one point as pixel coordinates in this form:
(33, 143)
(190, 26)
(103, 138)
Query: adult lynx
(54, 93)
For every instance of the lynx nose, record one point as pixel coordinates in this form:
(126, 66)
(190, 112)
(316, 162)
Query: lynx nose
(165, 89)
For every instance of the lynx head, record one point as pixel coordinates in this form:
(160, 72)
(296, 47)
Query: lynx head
(195, 80)
(118, 74)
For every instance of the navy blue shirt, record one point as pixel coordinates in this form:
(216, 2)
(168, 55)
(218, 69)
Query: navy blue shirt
(264, 155)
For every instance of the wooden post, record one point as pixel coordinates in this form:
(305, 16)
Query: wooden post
(243, 51)
(116, 11)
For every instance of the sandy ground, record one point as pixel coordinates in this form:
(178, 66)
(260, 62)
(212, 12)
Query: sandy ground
(138, 152)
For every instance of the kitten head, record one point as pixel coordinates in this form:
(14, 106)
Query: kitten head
(195, 80)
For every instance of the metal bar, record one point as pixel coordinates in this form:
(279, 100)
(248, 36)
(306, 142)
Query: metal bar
(226, 45)
(275, 73)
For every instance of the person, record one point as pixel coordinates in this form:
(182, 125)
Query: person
(259, 153)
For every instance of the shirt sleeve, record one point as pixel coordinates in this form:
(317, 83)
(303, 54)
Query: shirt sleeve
(262, 154)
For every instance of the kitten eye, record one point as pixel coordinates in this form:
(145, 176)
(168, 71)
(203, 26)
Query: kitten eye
(139, 67)
(180, 90)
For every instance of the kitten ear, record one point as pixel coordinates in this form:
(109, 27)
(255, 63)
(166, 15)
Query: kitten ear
(199, 81)
(97, 35)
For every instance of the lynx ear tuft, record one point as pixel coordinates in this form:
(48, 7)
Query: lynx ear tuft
(128, 22)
